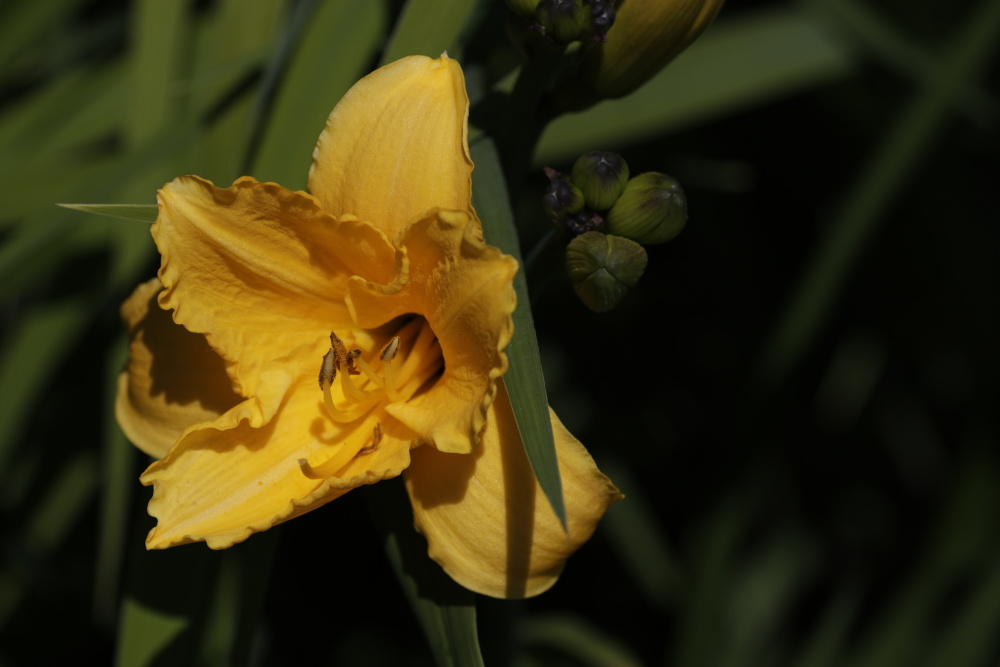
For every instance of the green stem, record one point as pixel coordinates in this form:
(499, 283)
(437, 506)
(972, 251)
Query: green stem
(521, 125)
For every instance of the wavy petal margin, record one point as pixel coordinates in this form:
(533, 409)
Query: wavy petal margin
(259, 269)
(240, 475)
(485, 518)
(173, 379)
(464, 289)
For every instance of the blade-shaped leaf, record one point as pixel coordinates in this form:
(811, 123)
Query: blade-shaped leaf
(140, 212)
(524, 380)
(445, 610)
(735, 64)
(337, 43)
(427, 27)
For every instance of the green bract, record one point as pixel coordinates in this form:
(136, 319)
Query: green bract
(603, 268)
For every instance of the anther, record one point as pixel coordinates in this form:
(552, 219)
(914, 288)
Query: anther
(338, 358)
(328, 370)
(390, 349)
(387, 355)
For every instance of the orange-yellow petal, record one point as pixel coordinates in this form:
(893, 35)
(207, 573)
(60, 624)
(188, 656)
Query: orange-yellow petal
(259, 269)
(463, 288)
(241, 474)
(396, 145)
(173, 379)
(486, 520)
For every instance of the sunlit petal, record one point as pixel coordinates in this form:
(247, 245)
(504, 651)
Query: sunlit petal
(464, 290)
(486, 520)
(241, 474)
(258, 269)
(396, 145)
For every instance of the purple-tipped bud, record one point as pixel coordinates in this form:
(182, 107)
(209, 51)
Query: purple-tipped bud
(602, 17)
(601, 177)
(561, 199)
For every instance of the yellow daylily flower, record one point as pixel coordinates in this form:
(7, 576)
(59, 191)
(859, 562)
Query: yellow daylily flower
(296, 346)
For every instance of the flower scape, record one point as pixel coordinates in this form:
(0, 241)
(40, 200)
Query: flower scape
(295, 346)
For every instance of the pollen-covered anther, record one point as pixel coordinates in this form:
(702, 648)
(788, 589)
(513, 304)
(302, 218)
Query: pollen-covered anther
(387, 355)
(328, 370)
(358, 400)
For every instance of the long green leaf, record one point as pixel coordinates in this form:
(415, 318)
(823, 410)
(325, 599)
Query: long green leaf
(427, 27)
(338, 43)
(28, 360)
(734, 65)
(118, 483)
(524, 379)
(581, 643)
(26, 23)
(907, 141)
(140, 212)
(445, 610)
(166, 602)
(159, 34)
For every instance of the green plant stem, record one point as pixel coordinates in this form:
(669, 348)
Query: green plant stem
(521, 124)
(881, 180)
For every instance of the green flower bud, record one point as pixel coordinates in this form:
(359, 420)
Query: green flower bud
(645, 37)
(523, 8)
(563, 20)
(601, 177)
(652, 209)
(603, 268)
(561, 199)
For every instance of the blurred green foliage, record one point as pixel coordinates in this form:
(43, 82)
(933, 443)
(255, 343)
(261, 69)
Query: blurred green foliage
(798, 398)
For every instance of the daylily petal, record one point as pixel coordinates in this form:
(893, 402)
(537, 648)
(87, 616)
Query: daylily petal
(486, 520)
(229, 479)
(397, 145)
(463, 288)
(173, 379)
(259, 269)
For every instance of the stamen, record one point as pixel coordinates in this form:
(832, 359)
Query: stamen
(413, 366)
(344, 358)
(342, 416)
(351, 390)
(387, 355)
(333, 465)
(332, 361)
(370, 373)
(376, 438)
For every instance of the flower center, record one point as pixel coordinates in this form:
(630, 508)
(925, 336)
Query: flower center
(391, 376)
(343, 363)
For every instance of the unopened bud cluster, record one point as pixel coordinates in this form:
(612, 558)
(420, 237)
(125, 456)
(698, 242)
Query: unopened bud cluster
(565, 21)
(599, 196)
